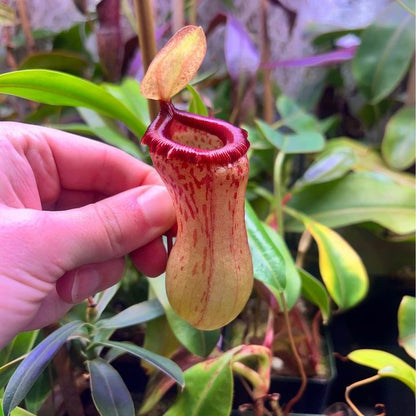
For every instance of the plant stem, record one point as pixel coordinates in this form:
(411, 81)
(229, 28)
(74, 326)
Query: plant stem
(265, 57)
(302, 387)
(24, 18)
(278, 191)
(178, 18)
(147, 41)
(353, 386)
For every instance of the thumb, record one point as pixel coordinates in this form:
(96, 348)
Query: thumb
(110, 228)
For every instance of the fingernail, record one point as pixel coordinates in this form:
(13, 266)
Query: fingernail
(86, 283)
(157, 207)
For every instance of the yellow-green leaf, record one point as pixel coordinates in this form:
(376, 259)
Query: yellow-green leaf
(387, 365)
(175, 64)
(407, 324)
(341, 268)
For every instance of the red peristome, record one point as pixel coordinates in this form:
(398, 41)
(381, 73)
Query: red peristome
(233, 145)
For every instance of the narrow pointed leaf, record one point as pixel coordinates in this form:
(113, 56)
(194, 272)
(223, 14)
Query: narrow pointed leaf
(196, 105)
(136, 314)
(341, 268)
(169, 367)
(407, 325)
(56, 88)
(268, 262)
(208, 391)
(102, 299)
(388, 365)
(33, 365)
(110, 394)
(399, 142)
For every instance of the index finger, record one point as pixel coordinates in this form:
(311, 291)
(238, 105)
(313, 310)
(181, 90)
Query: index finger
(70, 162)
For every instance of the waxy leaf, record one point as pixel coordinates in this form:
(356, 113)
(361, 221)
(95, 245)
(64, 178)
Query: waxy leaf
(196, 105)
(355, 198)
(329, 166)
(109, 393)
(208, 391)
(314, 291)
(134, 315)
(57, 88)
(399, 142)
(175, 64)
(268, 262)
(295, 117)
(341, 268)
(386, 50)
(407, 325)
(302, 142)
(169, 367)
(293, 282)
(388, 365)
(196, 341)
(33, 365)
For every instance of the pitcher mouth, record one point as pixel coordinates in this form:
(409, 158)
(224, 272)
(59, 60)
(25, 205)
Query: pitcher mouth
(179, 135)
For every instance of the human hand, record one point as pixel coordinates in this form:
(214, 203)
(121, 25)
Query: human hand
(70, 210)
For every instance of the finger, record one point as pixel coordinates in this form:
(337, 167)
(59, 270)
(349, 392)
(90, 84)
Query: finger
(151, 259)
(107, 229)
(63, 161)
(77, 285)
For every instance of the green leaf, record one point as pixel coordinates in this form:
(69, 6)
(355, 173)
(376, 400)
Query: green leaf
(16, 412)
(357, 198)
(56, 88)
(314, 291)
(8, 369)
(134, 315)
(268, 262)
(33, 365)
(399, 142)
(129, 93)
(386, 50)
(165, 365)
(367, 159)
(64, 61)
(341, 268)
(329, 166)
(196, 105)
(109, 393)
(293, 282)
(295, 117)
(102, 299)
(107, 130)
(19, 346)
(388, 365)
(196, 341)
(208, 391)
(302, 142)
(407, 325)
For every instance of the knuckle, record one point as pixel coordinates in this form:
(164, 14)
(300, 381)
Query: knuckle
(112, 229)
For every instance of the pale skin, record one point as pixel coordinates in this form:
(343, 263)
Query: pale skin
(71, 209)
